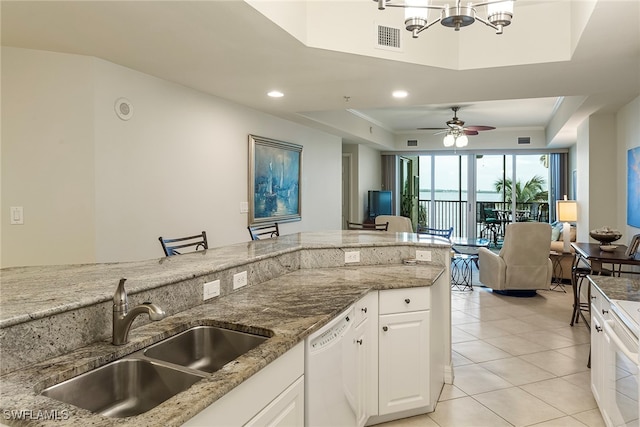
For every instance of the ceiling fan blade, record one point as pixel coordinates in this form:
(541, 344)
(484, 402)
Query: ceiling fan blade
(479, 127)
(470, 132)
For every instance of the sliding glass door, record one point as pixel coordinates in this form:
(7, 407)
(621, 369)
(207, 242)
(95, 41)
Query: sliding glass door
(478, 195)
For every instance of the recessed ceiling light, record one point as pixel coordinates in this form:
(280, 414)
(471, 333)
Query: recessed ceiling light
(400, 94)
(276, 94)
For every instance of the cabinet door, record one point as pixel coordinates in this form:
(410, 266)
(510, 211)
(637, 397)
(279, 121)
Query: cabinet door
(600, 343)
(285, 410)
(597, 358)
(403, 341)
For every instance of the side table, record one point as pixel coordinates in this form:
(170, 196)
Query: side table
(462, 271)
(556, 278)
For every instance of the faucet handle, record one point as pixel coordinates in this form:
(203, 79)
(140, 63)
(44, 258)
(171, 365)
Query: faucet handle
(120, 297)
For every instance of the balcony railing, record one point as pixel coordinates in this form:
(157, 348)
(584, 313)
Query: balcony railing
(453, 213)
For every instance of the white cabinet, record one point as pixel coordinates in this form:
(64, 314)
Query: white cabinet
(274, 396)
(403, 342)
(599, 314)
(286, 410)
(365, 340)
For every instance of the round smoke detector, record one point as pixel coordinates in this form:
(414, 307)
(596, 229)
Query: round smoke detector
(124, 108)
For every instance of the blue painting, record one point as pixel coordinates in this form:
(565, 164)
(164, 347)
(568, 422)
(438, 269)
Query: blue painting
(633, 187)
(274, 182)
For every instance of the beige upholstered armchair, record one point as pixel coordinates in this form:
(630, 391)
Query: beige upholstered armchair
(397, 224)
(523, 263)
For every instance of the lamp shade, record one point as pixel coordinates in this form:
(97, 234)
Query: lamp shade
(567, 210)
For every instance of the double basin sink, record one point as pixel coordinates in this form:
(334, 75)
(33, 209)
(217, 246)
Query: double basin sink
(145, 379)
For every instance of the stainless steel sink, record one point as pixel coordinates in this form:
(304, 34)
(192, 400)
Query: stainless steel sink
(123, 388)
(205, 348)
(145, 379)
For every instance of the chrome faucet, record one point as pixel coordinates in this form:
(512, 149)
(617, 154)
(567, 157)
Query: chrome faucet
(123, 318)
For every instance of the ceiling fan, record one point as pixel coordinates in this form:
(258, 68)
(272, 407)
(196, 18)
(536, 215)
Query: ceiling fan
(457, 126)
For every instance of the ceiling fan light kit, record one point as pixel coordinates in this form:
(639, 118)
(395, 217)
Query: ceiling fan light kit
(456, 132)
(416, 15)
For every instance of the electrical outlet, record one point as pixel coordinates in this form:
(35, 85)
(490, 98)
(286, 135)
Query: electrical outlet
(353, 256)
(239, 280)
(423, 255)
(211, 289)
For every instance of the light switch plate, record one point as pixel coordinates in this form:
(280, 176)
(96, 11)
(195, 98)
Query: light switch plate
(17, 215)
(244, 207)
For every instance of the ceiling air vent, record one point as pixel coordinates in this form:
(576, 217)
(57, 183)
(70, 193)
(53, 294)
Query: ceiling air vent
(412, 143)
(524, 140)
(388, 37)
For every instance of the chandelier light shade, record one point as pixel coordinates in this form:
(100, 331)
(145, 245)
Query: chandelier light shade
(499, 14)
(416, 14)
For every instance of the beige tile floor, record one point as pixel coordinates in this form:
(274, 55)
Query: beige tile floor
(517, 362)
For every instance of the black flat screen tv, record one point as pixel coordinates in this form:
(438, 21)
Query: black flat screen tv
(379, 203)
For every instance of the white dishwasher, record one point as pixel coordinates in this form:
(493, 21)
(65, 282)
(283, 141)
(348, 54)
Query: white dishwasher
(330, 374)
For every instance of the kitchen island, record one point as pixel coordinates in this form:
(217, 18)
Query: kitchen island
(615, 318)
(296, 284)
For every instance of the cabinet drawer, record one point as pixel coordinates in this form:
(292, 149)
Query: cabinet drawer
(366, 307)
(598, 301)
(404, 300)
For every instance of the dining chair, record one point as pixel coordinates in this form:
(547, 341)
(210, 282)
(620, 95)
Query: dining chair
(263, 231)
(384, 226)
(440, 232)
(171, 246)
(397, 224)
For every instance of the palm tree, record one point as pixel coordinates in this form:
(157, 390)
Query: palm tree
(532, 191)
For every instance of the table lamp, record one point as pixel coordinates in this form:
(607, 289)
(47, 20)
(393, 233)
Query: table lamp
(567, 211)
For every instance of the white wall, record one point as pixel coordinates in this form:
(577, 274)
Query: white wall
(628, 137)
(601, 162)
(367, 175)
(179, 166)
(47, 157)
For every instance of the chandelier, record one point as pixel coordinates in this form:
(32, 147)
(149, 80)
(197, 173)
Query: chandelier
(499, 14)
(455, 137)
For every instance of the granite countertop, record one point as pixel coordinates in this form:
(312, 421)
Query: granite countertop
(618, 288)
(59, 288)
(289, 307)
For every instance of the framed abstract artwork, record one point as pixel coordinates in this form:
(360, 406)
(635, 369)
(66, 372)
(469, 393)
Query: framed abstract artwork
(275, 173)
(633, 187)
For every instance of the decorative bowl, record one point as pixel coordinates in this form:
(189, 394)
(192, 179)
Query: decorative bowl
(608, 248)
(605, 237)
